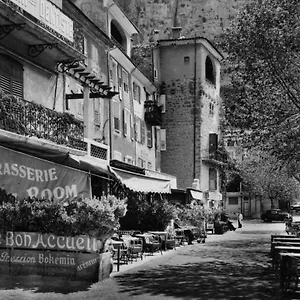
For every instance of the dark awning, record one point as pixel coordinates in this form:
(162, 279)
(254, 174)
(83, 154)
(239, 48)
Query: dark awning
(142, 183)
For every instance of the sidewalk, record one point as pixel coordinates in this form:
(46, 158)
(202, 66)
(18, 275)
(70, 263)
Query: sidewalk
(135, 263)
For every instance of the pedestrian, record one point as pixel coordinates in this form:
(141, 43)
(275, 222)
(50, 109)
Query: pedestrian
(240, 219)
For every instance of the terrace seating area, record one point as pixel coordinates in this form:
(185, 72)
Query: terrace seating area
(130, 246)
(285, 254)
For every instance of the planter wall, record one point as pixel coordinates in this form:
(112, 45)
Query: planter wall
(76, 258)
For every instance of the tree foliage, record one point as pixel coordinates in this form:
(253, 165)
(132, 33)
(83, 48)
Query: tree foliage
(263, 176)
(262, 45)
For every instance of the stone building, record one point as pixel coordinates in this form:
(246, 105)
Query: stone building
(187, 72)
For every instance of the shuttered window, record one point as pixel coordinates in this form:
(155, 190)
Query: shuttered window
(11, 76)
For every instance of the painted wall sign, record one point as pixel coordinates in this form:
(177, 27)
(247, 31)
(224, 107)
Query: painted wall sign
(26, 176)
(49, 255)
(49, 14)
(35, 240)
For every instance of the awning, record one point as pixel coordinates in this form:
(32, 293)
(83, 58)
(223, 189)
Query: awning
(197, 195)
(142, 183)
(88, 163)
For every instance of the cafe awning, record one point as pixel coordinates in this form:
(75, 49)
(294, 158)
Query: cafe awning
(196, 195)
(88, 163)
(142, 183)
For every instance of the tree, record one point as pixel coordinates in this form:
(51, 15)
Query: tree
(262, 45)
(262, 175)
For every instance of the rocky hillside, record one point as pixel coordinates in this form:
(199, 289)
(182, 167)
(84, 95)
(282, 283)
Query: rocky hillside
(205, 18)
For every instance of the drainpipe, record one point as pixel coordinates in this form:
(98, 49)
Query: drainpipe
(109, 115)
(195, 106)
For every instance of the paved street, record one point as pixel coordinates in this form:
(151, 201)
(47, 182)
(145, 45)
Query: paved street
(235, 265)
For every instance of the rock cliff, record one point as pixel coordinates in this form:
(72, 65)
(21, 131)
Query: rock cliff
(206, 18)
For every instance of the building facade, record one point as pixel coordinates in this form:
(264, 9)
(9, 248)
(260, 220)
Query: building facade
(187, 73)
(135, 117)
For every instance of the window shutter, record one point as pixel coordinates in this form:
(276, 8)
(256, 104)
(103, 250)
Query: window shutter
(5, 84)
(125, 81)
(131, 127)
(134, 90)
(149, 136)
(116, 116)
(143, 136)
(163, 142)
(139, 93)
(120, 81)
(125, 127)
(135, 128)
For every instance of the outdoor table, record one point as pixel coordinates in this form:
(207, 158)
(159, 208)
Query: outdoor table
(148, 245)
(289, 271)
(163, 235)
(135, 246)
(122, 252)
(280, 249)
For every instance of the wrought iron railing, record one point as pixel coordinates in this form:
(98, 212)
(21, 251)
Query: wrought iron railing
(31, 119)
(153, 114)
(214, 156)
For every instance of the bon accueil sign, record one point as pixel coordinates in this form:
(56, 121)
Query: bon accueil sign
(49, 255)
(27, 176)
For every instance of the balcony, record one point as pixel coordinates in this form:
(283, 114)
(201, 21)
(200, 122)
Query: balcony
(33, 36)
(153, 115)
(33, 120)
(216, 157)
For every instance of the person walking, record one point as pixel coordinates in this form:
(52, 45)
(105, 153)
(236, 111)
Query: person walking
(240, 219)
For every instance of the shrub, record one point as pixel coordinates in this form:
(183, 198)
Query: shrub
(94, 217)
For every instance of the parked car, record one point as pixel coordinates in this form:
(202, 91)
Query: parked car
(275, 215)
(296, 206)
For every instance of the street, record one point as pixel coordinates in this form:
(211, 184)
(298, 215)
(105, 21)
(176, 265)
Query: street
(235, 265)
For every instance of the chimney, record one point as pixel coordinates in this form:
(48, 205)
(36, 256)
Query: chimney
(176, 31)
(196, 184)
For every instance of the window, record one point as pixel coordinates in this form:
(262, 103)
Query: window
(213, 143)
(136, 92)
(126, 122)
(128, 159)
(116, 113)
(211, 108)
(210, 73)
(163, 142)
(186, 59)
(233, 200)
(118, 155)
(11, 76)
(212, 179)
(162, 102)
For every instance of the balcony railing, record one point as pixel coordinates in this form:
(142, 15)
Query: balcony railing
(153, 115)
(31, 119)
(215, 157)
